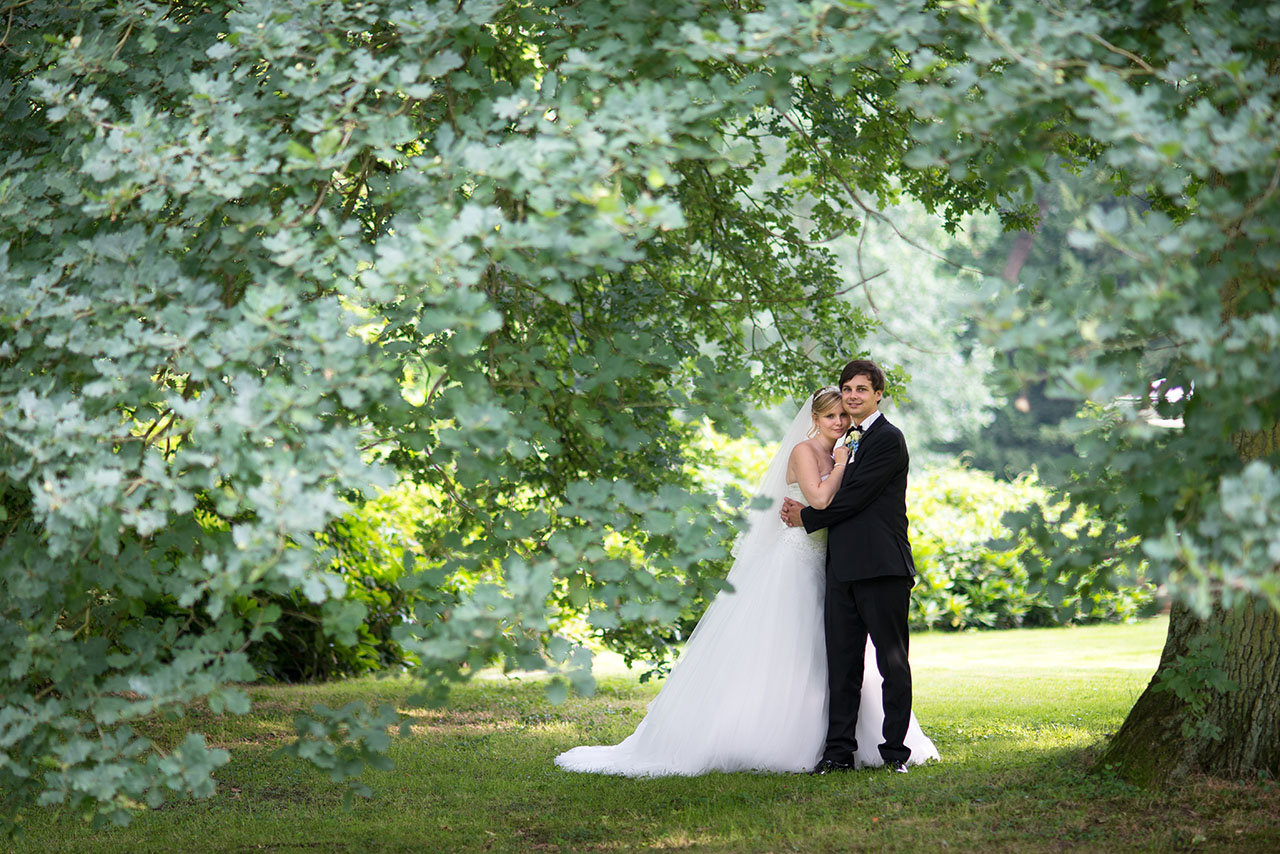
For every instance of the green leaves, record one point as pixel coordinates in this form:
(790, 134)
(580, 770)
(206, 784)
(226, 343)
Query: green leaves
(1194, 677)
(344, 741)
(258, 263)
(998, 555)
(1235, 530)
(1158, 125)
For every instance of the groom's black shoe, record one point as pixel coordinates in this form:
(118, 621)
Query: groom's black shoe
(828, 766)
(896, 766)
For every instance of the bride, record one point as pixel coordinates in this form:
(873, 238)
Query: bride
(750, 690)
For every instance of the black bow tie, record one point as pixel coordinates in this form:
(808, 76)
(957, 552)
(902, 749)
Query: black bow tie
(857, 428)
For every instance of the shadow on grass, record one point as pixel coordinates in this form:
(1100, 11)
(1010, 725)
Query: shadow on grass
(1016, 775)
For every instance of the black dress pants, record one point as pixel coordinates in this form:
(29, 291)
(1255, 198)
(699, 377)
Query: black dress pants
(854, 610)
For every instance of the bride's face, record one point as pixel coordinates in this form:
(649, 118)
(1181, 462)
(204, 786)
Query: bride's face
(833, 423)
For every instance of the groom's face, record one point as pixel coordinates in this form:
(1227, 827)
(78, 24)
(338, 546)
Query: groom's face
(860, 399)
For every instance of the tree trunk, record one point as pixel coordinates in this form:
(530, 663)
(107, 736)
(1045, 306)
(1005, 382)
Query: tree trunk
(1166, 737)
(1222, 733)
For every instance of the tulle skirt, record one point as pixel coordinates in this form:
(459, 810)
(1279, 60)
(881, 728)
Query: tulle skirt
(750, 691)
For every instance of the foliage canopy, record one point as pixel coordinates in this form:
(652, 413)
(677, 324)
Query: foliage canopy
(261, 260)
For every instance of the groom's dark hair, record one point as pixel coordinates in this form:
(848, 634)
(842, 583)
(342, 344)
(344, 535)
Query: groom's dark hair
(866, 368)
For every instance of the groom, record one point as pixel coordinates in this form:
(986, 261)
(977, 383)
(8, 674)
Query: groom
(869, 573)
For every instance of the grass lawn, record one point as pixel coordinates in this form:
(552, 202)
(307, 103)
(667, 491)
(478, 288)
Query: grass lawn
(1017, 716)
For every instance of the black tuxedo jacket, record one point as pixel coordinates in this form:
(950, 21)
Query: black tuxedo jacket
(867, 517)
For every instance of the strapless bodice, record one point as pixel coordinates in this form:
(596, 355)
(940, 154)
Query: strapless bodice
(817, 541)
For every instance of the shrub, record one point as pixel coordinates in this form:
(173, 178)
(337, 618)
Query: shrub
(973, 571)
(373, 548)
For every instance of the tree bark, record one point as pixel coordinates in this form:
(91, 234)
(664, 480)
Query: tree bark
(1162, 740)
(1165, 738)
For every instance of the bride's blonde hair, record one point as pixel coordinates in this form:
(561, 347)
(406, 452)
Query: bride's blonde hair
(824, 400)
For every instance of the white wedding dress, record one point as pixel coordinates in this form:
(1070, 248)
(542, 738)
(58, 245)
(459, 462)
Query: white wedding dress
(750, 691)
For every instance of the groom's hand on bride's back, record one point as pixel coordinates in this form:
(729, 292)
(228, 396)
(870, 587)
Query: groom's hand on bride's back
(791, 512)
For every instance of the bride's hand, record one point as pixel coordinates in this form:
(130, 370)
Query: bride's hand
(841, 454)
(790, 512)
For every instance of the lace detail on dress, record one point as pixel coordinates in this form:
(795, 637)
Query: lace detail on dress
(797, 537)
